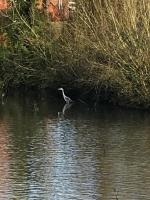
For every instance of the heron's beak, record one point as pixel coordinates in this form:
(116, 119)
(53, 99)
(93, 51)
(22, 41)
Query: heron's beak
(59, 88)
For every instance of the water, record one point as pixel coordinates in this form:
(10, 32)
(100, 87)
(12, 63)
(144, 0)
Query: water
(76, 153)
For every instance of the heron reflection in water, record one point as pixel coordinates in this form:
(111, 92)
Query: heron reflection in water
(69, 103)
(67, 106)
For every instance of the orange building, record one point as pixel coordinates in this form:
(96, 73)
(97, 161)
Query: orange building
(4, 5)
(58, 9)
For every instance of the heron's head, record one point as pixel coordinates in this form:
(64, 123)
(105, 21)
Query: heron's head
(60, 89)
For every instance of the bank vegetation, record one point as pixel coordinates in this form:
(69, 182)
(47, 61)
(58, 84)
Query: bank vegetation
(104, 50)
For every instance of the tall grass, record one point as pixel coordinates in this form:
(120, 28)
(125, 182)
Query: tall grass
(105, 47)
(117, 36)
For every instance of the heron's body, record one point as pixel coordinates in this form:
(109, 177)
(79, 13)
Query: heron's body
(67, 99)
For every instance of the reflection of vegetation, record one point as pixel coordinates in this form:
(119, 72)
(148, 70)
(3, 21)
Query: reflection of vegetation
(105, 48)
(26, 151)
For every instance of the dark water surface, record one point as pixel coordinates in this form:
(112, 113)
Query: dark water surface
(49, 153)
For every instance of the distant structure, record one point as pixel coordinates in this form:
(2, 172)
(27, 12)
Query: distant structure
(59, 10)
(4, 5)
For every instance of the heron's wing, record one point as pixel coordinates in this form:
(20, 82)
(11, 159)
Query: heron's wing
(67, 99)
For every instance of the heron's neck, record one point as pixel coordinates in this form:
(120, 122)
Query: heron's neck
(63, 93)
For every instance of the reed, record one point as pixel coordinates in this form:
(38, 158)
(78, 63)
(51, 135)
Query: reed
(114, 39)
(105, 48)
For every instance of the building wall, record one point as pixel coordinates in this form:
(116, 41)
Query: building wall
(53, 9)
(4, 5)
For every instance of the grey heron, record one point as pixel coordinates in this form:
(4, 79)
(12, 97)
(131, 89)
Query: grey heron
(67, 99)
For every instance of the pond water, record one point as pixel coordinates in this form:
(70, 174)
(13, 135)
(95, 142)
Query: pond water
(51, 152)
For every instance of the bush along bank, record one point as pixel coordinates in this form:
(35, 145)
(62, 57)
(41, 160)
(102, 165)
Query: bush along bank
(103, 51)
